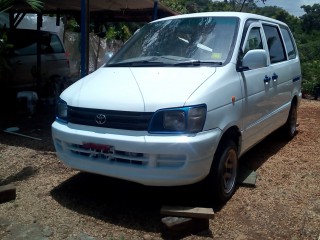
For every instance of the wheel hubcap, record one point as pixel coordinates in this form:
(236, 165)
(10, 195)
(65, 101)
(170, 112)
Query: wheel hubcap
(230, 171)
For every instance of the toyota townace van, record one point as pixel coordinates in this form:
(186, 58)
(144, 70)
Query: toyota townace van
(182, 100)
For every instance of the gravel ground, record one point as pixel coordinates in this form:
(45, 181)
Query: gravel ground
(55, 202)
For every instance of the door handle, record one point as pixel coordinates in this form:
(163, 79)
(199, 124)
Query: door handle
(275, 77)
(266, 79)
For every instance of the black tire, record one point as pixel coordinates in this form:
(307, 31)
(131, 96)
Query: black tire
(224, 172)
(290, 127)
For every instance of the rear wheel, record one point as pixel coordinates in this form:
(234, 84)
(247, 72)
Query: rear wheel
(224, 171)
(290, 126)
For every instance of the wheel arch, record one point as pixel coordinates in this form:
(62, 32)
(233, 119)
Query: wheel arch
(295, 100)
(232, 133)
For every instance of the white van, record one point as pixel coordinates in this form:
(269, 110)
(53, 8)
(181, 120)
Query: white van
(182, 100)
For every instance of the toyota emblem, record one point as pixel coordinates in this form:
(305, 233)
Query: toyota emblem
(101, 119)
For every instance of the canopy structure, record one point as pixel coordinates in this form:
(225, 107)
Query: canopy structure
(103, 10)
(114, 10)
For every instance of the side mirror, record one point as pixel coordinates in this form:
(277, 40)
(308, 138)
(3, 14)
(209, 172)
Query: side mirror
(108, 56)
(256, 58)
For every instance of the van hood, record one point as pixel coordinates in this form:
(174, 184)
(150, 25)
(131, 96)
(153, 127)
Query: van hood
(136, 89)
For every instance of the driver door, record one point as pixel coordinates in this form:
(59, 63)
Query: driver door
(257, 90)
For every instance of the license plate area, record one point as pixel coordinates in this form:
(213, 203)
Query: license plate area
(101, 151)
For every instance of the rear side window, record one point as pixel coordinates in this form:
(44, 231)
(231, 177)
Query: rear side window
(288, 41)
(275, 46)
(25, 42)
(56, 44)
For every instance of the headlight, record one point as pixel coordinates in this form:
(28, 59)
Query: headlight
(62, 111)
(174, 120)
(179, 120)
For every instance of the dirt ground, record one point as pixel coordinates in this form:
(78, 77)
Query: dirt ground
(54, 202)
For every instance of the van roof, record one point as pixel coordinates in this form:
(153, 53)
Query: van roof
(242, 15)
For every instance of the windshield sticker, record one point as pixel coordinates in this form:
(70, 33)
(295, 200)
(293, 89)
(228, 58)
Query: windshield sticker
(216, 56)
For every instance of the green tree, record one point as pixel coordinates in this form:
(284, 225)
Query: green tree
(311, 19)
(242, 5)
(189, 6)
(176, 5)
(281, 15)
(7, 4)
(218, 6)
(309, 47)
(310, 73)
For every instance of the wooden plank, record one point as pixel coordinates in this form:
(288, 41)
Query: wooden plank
(175, 222)
(7, 193)
(178, 227)
(247, 177)
(189, 212)
(250, 179)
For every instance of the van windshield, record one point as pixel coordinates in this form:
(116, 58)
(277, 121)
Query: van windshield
(180, 42)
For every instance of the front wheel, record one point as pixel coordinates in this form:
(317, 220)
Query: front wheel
(224, 170)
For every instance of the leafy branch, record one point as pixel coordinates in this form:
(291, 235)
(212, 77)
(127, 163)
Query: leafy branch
(5, 5)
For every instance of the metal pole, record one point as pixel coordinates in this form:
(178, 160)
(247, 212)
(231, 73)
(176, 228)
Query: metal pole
(84, 37)
(39, 38)
(155, 10)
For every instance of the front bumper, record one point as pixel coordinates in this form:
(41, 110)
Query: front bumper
(154, 160)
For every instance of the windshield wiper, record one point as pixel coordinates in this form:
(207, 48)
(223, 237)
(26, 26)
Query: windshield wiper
(141, 63)
(197, 63)
(167, 61)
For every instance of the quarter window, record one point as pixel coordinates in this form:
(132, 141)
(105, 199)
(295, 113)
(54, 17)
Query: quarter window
(275, 46)
(291, 51)
(56, 44)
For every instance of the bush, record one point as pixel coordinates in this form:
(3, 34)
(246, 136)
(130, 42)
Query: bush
(310, 73)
